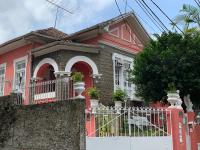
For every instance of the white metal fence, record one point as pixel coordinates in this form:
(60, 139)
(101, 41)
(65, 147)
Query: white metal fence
(134, 122)
(53, 90)
(46, 91)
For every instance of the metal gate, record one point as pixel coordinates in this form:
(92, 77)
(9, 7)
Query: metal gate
(128, 129)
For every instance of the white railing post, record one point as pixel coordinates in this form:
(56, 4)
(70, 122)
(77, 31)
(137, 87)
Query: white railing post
(129, 124)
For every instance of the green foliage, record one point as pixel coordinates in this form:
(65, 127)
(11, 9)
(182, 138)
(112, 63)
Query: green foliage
(7, 115)
(189, 17)
(119, 95)
(171, 88)
(171, 58)
(94, 93)
(77, 77)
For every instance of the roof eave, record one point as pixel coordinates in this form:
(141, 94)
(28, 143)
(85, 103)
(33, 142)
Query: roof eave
(62, 45)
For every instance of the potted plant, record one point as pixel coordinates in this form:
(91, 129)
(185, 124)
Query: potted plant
(94, 95)
(79, 85)
(118, 97)
(173, 96)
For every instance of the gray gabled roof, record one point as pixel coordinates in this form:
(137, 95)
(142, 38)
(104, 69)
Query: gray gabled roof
(46, 35)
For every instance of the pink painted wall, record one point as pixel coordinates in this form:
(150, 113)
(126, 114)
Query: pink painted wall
(91, 126)
(9, 58)
(119, 36)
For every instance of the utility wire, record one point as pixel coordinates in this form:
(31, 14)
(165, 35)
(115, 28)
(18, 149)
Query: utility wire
(152, 18)
(144, 20)
(59, 6)
(121, 13)
(141, 18)
(124, 20)
(154, 14)
(166, 16)
(197, 2)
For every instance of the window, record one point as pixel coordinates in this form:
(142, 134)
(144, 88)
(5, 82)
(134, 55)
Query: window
(118, 72)
(122, 65)
(127, 83)
(2, 78)
(20, 75)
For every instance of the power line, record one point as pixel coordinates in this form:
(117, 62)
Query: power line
(142, 18)
(125, 21)
(59, 6)
(166, 16)
(154, 14)
(151, 16)
(155, 22)
(197, 2)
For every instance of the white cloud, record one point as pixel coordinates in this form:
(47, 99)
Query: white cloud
(22, 16)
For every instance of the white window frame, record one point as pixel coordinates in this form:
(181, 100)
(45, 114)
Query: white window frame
(3, 66)
(124, 59)
(24, 58)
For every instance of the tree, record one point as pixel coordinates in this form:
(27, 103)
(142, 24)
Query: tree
(189, 17)
(171, 58)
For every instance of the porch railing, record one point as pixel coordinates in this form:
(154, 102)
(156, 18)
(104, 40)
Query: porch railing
(53, 90)
(45, 91)
(108, 122)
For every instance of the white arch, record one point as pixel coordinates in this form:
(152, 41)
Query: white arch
(85, 59)
(45, 61)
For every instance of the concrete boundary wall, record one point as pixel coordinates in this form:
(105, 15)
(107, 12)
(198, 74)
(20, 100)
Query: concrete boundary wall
(52, 126)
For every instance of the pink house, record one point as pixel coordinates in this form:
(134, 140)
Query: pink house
(103, 53)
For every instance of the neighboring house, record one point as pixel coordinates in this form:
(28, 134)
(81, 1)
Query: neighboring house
(103, 53)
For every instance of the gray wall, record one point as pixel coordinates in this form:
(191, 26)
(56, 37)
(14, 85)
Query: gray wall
(53, 126)
(103, 61)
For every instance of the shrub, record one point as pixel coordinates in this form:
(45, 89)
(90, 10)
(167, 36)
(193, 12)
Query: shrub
(77, 77)
(119, 95)
(94, 93)
(171, 88)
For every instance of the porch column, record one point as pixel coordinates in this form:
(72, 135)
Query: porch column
(62, 85)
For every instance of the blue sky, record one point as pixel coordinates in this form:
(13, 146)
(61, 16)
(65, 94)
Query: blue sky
(22, 16)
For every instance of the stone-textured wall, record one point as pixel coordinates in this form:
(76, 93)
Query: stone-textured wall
(106, 83)
(52, 126)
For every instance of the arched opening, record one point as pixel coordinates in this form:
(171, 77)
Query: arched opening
(47, 64)
(46, 73)
(44, 89)
(87, 71)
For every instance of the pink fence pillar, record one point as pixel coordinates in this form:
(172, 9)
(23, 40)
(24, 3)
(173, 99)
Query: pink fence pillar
(91, 126)
(194, 131)
(177, 128)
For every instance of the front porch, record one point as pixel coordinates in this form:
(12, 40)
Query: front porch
(49, 84)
